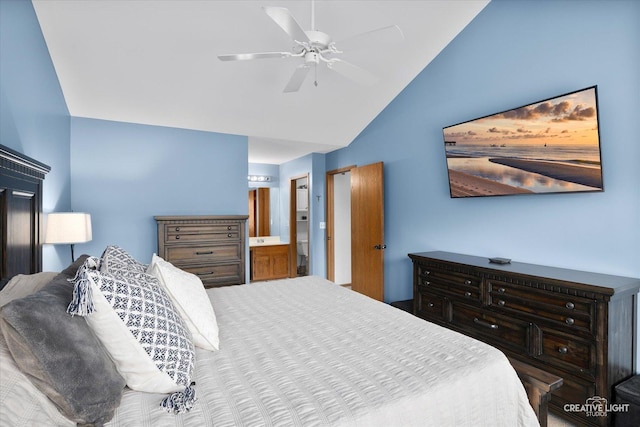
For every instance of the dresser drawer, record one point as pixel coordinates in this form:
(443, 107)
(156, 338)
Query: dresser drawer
(432, 307)
(215, 275)
(201, 233)
(565, 312)
(181, 255)
(569, 352)
(495, 329)
(456, 283)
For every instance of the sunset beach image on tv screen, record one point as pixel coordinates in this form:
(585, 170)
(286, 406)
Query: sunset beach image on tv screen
(551, 146)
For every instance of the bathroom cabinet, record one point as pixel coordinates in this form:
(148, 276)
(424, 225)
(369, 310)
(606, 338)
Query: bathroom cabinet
(302, 199)
(269, 262)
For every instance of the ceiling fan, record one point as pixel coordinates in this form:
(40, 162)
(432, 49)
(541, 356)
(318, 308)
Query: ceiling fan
(315, 47)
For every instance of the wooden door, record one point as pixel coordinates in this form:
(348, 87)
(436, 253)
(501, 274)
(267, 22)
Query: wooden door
(367, 230)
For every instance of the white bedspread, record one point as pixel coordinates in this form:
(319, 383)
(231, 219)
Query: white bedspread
(306, 352)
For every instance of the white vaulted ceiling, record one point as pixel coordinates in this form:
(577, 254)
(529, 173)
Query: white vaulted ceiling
(155, 62)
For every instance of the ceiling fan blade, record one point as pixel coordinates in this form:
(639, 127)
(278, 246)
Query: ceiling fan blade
(353, 72)
(247, 56)
(287, 22)
(371, 38)
(297, 78)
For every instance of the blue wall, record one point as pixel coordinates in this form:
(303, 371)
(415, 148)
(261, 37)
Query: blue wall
(123, 174)
(513, 53)
(34, 119)
(313, 165)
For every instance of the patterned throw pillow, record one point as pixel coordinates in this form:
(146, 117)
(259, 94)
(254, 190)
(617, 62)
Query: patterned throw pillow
(115, 259)
(139, 326)
(189, 297)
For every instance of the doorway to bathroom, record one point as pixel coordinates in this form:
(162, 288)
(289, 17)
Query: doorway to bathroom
(299, 219)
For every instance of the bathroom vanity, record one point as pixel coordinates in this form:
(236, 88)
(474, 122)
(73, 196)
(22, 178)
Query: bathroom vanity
(269, 260)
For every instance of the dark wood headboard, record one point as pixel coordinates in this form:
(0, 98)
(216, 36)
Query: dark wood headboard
(20, 214)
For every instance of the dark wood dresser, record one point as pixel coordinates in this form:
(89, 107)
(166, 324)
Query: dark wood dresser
(573, 324)
(211, 247)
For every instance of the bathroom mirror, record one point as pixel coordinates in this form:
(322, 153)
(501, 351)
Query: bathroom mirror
(263, 212)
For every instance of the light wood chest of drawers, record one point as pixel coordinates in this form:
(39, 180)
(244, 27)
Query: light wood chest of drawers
(573, 324)
(211, 247)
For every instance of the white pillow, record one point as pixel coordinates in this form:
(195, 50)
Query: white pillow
(139, 326)
(188, 295)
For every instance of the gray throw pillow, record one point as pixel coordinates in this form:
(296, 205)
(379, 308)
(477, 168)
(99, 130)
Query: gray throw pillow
(60, 354)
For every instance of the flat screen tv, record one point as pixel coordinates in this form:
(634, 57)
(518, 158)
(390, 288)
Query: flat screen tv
(550, 146)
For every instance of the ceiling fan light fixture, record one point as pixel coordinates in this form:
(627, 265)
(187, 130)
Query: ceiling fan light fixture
(316, 46)
(312, 58)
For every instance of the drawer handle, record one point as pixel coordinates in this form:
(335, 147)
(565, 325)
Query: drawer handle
(570, 305)
(229, 235)
(427, 283)
(206, 273)
(501, 303)
(204, 253)
(229, 227)
(563, 350)
(501, 290)
(467, 294)
(569, 321)
(485, 324)
(177, 237)
(177, 228)
(430, 305)
(467, 282)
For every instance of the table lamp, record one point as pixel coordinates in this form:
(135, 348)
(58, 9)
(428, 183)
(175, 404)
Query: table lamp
(68, 228)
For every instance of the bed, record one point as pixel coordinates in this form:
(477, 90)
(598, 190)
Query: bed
(310, 353)
(293, 352)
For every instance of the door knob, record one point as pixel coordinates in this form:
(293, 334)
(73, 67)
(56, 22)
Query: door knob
(380, 247)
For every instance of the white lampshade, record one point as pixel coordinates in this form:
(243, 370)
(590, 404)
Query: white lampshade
(68, 228)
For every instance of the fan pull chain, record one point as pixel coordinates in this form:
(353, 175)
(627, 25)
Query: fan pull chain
(313, 27)
(315, 75)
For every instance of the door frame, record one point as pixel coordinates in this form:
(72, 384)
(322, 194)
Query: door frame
(329, 215)
(293, 225)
